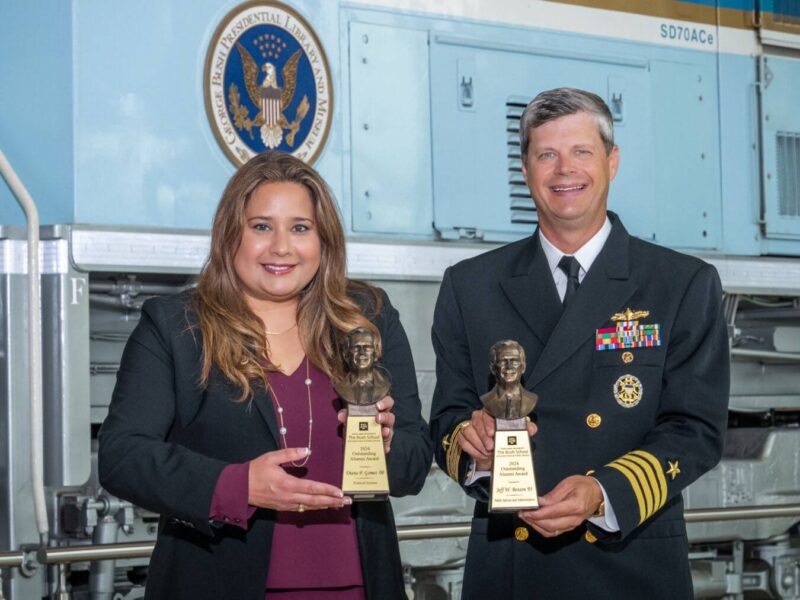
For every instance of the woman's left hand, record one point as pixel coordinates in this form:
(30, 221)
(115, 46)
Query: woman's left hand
(385, 417)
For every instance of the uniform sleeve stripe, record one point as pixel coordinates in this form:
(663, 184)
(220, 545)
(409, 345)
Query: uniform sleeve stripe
(454, 451)
(659, 471)
(453, 459)
(644, 486)
(658, 496)
(634, 485)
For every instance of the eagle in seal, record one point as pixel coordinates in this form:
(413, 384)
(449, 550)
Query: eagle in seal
(272, 99)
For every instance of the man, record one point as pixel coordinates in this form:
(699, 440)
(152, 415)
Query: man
(628, 353)
(508, 399)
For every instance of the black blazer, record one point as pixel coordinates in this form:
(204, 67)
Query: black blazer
(679, 419)
(166, 440)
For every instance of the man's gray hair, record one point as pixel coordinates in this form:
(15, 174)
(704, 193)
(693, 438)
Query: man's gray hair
(560, 102)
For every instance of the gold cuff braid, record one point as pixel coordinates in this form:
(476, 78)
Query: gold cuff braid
(454, 450)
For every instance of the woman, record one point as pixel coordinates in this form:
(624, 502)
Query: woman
(224, 419)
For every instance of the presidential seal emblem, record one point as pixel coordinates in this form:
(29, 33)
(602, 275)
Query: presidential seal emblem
(628, 391)
(267, 84)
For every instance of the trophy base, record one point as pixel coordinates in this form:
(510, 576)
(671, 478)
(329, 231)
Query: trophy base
(513, 480)
(364, 475)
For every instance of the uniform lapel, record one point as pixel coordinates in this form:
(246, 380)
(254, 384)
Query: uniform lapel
(532, 292)
(603, 291)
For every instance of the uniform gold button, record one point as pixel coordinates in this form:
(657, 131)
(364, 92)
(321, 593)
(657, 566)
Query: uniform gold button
(589, 537)
(627, 357)
(594, 420)
(521, 533)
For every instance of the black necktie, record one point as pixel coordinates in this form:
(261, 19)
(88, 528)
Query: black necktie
(571, 267)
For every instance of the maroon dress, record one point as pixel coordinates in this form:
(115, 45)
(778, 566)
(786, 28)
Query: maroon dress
(315, 553)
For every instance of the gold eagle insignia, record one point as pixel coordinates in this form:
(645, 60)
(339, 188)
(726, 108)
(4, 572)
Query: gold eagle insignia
(271, 99)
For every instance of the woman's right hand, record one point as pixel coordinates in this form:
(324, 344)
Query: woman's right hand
(270, 486)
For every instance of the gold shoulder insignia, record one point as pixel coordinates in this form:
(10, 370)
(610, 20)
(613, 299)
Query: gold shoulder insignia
(630, 315)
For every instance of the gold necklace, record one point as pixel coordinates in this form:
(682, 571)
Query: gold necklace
(281, 332)
(283, 430)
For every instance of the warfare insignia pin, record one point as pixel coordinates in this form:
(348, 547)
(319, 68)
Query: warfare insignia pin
(267, 84)
(628, 391)
(673, 470)
(630, 315)
(628, 333)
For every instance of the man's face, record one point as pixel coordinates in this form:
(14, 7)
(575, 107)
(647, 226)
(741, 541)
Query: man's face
(509, 366)
(568, 173)
(362, 351)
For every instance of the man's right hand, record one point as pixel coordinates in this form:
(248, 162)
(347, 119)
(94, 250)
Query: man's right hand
(477, 439)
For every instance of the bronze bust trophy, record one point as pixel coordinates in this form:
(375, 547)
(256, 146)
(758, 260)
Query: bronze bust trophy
(364, 475)
(513, 481)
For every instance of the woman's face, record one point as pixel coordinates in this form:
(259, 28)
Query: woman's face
(280, 249)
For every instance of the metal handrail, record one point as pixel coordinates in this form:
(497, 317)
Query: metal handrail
(34, 345)
(768, 354)
(70, 554)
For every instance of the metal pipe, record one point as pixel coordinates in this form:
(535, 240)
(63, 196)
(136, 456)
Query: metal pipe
(701, 515)
(101, 572)
(102, 552)
(52, 555)
(11, 559)
(765, 354)
(423, 532)
(34, 345)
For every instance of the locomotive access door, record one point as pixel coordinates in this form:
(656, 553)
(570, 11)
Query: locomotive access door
(780, 143)
(480, 87)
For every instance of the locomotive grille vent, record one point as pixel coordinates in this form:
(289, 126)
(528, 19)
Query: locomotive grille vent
(787, 12)
(789, 174)
(521, 203)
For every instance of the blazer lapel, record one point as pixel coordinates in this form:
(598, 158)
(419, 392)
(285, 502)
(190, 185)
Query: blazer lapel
(263, 403)
(532, 292)
(603, 291)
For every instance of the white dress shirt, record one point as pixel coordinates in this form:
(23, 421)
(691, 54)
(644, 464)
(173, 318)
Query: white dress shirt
(585, 256)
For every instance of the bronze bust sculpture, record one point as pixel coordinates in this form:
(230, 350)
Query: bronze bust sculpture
(508, 399)
(364, 383)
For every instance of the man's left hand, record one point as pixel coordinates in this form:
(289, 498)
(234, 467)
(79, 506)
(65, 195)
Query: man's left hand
(385, 417)
(565, 507)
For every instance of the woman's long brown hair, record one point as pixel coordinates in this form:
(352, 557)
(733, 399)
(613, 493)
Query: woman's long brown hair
(234, 338)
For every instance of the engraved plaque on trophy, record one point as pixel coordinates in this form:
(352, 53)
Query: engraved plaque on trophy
(513, 482)
(364, 475)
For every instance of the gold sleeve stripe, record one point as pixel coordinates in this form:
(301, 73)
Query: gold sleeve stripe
(659, 497)
(657, 469)
(641, 478)
(454, 451)
(646, 477)
(634, 485)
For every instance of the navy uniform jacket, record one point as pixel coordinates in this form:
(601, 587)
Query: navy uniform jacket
(643, 453)
(166, 440)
